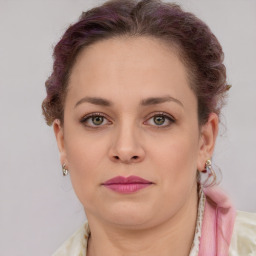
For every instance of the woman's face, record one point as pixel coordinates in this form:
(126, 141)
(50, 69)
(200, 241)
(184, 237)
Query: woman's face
(145, 125)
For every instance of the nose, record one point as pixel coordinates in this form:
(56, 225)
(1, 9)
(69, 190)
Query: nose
(126, 147)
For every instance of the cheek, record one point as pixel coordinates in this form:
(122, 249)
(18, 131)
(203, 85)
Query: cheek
(84, 148)
(177, 172)
(84, 156)
(176, 161)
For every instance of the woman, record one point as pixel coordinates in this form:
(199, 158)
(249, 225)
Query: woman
(134, 100)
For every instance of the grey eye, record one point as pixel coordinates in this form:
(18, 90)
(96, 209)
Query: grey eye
(159, 120)
(97, 120)
(94, 120)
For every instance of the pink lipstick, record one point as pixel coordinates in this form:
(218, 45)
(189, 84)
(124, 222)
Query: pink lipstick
(126, 185)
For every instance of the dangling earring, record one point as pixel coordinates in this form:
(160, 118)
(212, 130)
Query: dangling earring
(64, 170)
(209, 170)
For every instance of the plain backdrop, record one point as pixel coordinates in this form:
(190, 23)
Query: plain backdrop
(38, 208)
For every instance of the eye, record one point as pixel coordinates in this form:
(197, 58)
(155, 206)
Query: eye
(162, 120)
(94, 120)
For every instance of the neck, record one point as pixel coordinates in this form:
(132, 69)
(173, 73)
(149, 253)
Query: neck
(171, 237)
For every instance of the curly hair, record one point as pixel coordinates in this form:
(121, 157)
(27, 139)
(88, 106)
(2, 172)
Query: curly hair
(196, 45)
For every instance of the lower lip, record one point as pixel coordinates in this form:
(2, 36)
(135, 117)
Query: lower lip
(127, 188)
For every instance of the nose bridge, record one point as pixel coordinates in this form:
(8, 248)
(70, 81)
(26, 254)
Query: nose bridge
(126, 143)
(126, 134)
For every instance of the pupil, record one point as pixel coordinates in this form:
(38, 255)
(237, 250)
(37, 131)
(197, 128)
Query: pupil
(159, 120)
(97, 120)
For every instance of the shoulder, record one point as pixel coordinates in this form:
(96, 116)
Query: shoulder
(76, 244)
(243, 240)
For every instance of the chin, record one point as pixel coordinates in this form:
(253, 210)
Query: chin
(128, 222)
(129, 216)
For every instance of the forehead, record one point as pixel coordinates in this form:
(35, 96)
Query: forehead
(128, 54)
(135, 66)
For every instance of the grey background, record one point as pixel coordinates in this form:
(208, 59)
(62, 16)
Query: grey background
(38, 208)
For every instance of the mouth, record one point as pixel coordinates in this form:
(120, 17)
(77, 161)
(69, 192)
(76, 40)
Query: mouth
(127, 185)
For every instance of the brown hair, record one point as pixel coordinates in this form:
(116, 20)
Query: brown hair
(197, 47)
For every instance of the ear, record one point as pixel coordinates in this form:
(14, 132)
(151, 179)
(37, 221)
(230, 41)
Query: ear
(59, 134)
(208, 135)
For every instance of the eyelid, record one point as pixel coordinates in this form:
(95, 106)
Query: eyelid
(161, 113)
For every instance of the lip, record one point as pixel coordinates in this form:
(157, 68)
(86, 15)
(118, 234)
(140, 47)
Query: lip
(126, 185)
(126, 180)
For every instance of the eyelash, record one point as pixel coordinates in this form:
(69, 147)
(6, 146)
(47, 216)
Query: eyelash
(162, 114)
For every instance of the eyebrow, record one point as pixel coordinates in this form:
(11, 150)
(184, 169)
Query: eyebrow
(145, 102)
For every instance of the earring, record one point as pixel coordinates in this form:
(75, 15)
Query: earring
(64, 170)
(209, 170)
(208, 166)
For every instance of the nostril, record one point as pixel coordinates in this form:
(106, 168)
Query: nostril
(117, 157)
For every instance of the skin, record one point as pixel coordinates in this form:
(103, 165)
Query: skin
(129, 141)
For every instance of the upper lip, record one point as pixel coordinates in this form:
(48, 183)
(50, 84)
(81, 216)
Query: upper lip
(127, 180)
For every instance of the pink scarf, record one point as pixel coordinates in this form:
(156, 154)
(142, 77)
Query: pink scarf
(218, 223)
